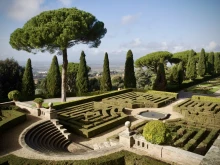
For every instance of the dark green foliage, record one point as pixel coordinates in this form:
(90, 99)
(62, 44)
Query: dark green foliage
(117, 82)
(180, 56)
(152, 60)
(191, 67)
(202, 64)
(143, 78)
(180, 73)
(10, 77)
(106, 84)
(210, 64)
(72, 70)
(217, 63)
(174, 74)
(156, 132)
(129, 76)
(94, 84)
(56, 31)
(54, 79)
(82, 80)
(28, 87)
(160, 81)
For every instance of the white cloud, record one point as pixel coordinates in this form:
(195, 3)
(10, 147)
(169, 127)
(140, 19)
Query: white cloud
(66, 3)
(212, 46)
(128, 19)
(22, 10)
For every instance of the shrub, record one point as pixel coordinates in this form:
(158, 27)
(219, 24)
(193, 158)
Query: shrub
(156, 132)
(14, 95)
(38, 100)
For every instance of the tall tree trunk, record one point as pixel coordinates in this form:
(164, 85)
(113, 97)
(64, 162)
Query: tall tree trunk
(64, 75)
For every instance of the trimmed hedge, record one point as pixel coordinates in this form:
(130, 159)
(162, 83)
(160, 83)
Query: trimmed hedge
(206, 98)
(162, 93)
(118, 158)
(93, 98)
(17, 118)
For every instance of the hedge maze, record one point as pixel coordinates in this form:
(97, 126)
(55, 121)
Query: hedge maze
(92, 118)
(201, 110)
(186, 136)
(140, 100)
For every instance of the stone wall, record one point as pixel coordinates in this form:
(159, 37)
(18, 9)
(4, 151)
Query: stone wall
(167, 153)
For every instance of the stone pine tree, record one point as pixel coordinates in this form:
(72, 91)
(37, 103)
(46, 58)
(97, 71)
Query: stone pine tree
(129, 75)
(82, 80)
(201, 64)
(160, 81)
(56, 31)
(191, 67)
(106, 84)
(28, 87)
(210, 67)
(53, 83)
(180, 73)
(217, 63)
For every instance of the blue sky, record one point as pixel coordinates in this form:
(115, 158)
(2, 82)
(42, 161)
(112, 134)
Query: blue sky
(143, 26)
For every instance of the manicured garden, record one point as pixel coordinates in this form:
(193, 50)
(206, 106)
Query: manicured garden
(208, 87)
(9, 117)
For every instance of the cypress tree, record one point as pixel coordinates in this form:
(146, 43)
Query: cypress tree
(191, 67)
(54, 79)
(174, 74)
(82, 80)
(28, 87)
(180, 73)
(106, 77)
(217, 63)
(160, 81)
(211, 69)
(129, 76)
(201, 64)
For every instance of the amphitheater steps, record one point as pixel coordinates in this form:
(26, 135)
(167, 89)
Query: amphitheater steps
(60, 127)
(47, 138)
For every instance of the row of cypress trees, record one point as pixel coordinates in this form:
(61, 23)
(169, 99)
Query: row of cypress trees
(53, 79)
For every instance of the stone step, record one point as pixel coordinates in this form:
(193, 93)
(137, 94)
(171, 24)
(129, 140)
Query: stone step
(59, 126)
(55, 121)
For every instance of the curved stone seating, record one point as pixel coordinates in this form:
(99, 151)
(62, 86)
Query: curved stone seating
(47, 138)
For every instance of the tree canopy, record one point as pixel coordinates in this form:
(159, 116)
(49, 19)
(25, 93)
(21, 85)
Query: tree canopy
(191, 67)
(57, 30)
(152, 60)
(202, 64)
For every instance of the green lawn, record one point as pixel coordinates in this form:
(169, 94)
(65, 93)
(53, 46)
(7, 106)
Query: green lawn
(208, 87)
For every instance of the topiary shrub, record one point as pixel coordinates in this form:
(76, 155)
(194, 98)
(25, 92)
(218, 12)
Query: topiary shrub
(156, 132)
(14, 95)
(39, 100)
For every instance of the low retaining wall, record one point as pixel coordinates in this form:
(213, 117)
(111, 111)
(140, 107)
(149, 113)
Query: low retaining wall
(164, 153)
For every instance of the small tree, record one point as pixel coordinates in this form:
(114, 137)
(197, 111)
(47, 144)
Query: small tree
(143, 78)
(201, 64)
(129, 75)
(180, 73)
(156, 132)
(106, 77)
(54, 79)
(14, 95)
(28, 87)
(94, 84)
(211, 69)
(117, 82)
(82, 80)
(191, 67)
(160, 81)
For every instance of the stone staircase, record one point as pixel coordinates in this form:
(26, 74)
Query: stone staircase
(106, 144)
(61, 128)
(48, 138)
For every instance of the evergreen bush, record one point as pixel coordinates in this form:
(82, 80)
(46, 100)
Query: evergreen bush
(14, 95)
